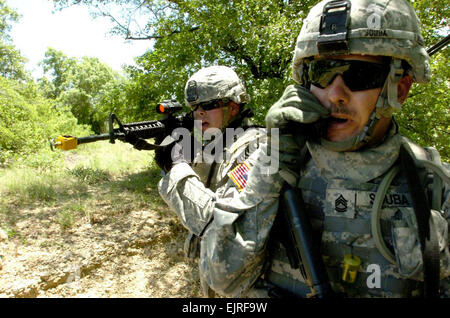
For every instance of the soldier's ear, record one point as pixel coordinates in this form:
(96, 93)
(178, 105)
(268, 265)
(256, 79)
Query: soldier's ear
(403, 88)
(234, 109)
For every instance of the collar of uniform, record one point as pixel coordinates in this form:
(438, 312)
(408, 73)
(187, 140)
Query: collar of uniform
(358, 166)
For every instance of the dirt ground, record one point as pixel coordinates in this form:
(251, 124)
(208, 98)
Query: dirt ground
(133, 254)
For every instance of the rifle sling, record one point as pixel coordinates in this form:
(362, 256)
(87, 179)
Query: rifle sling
(426, 228)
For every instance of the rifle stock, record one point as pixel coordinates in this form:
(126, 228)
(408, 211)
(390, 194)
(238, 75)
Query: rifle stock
(305, 251)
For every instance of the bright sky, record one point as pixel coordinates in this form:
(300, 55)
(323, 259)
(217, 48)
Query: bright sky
(71, 31)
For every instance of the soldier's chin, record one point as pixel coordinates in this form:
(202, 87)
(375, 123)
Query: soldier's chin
(198, 124)
(338, 135)
(205, 126)
(340, 130)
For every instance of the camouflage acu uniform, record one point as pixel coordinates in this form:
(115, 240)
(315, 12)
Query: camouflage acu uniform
(238, 259)
(185, 189)
(220, 169)
(339, 189)
(239, 255)
(339, 185)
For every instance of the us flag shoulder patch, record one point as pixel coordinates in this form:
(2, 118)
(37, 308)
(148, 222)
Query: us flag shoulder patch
(239, 175)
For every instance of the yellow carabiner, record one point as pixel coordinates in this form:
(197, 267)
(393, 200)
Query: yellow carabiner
(351, 266)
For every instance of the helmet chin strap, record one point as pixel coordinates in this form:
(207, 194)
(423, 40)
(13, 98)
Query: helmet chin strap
(386, 103)
(225, 120)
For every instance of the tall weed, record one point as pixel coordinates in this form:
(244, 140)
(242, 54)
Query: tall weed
(96, 180)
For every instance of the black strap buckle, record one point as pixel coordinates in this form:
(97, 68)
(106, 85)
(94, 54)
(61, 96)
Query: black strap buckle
(333, 28)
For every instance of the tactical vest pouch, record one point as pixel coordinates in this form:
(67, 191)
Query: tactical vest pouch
(427, 230)
(411, 159)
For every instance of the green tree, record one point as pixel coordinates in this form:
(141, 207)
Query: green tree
(254, 37)
(11, 61)
(83, 85)
(58, 67)
(28, 120)
(7, 17)
(425, 117)
(257, 38)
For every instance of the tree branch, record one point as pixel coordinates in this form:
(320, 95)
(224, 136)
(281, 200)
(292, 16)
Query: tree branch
(235, 50)
(151, 37)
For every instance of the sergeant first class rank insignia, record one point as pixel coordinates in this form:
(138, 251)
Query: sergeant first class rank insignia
(239, 175)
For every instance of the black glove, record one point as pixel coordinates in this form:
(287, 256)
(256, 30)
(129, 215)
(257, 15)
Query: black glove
(138, 143)
(170, 155)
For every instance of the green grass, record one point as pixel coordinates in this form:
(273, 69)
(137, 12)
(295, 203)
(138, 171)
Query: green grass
(90, 175)
(98, 178)
(66, 219)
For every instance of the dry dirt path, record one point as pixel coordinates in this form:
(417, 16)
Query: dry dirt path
(137, 254)
(133, 251)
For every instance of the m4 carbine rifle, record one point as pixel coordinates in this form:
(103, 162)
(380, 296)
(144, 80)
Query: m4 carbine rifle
(135, 133)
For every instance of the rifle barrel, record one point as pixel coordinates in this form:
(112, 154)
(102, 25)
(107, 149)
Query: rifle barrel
(93, 138)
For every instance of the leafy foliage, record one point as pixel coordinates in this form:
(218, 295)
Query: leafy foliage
(257, 39)
(11, 61)
(425, 117)
(254, 37)
(29, 120)
(7, 17)
(189, 35)
(86, 86)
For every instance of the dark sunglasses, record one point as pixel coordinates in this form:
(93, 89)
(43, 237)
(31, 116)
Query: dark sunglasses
(357, 75)
(210, 105)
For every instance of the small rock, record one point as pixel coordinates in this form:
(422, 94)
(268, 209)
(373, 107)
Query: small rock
(3, 236)
(44, 276)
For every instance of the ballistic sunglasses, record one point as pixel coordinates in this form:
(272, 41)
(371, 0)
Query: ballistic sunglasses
(212, 104)
(357, 75)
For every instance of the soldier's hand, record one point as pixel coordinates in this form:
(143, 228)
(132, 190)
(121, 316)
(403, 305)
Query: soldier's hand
(297, 105)
(288, 151)
(169, 155)
(138, 143)
(178, 153)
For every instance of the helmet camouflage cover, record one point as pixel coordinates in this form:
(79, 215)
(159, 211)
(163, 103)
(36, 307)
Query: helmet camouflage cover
(215, 82)
(370, 27)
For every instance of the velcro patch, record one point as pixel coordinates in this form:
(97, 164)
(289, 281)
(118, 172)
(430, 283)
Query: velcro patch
(345, 203)
(239, 175)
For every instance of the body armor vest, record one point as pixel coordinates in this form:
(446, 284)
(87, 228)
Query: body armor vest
(340, 212)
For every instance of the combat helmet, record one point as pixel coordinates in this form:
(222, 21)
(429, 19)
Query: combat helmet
(213, 83)
(367, 27)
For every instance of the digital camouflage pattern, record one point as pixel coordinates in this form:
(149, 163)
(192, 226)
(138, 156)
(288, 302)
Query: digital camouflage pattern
(239, 256)
(365, 27)
(339, 201)
(237, 248)
(377, 27)
(184, 190)
(215, 82)
(339, 189)
(233, 250)
(234, 246)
